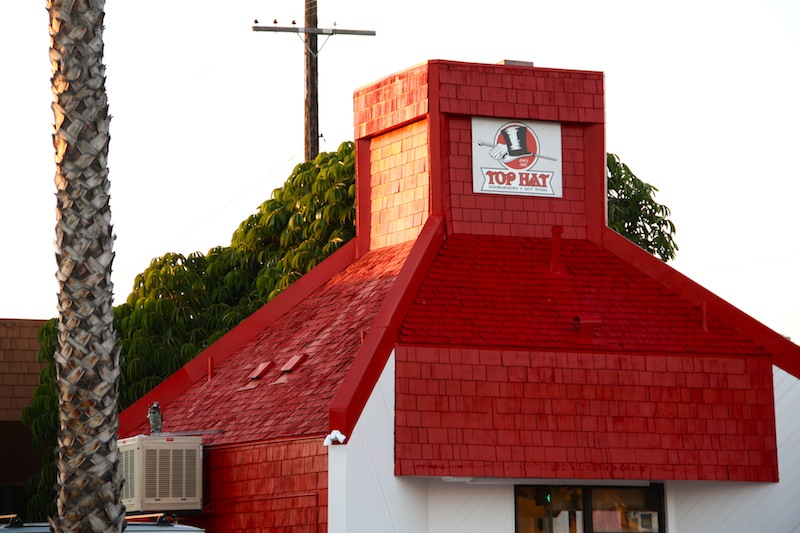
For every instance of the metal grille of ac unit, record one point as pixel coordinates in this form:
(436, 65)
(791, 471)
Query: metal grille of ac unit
(127, 463)
(161, 473)
(170, 473)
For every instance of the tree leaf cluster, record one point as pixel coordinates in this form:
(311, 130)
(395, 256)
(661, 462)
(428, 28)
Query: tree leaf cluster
(181, 304)
(634, 213)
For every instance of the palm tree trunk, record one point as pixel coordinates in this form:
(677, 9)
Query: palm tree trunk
(87, 354)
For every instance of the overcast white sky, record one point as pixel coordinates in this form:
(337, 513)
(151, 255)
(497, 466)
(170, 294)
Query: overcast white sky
(701, 102)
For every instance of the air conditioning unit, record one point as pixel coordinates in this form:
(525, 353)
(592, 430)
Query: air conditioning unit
(161, 473)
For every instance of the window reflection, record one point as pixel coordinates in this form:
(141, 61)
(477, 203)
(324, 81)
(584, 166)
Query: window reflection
(560, 509)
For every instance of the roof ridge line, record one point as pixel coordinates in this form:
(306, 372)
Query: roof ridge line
(370, 360)
(783, 351)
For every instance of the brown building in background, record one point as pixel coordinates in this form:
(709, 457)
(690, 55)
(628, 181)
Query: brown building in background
(19, 375)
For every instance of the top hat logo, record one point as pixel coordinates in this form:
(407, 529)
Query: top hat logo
(516, 139)
(516, 146)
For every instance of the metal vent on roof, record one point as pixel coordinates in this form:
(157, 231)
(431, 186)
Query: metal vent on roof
(254, 376)
(290, 366)
(260, 370)
(294, 362)
(515, 63)
(586, 327)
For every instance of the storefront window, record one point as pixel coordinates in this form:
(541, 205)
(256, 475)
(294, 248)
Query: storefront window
(560, 509)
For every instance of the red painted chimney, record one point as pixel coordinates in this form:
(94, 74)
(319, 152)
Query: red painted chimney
(494, 149)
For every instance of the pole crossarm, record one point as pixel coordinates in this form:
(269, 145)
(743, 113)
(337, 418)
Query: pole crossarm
(316, 31)
(311, 32)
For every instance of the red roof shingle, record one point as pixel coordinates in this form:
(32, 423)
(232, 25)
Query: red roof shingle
(499, 291)
(326, 328)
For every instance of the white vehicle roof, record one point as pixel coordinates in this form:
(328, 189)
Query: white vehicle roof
(162, 525)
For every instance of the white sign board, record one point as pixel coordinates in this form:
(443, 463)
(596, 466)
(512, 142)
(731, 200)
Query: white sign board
(516, 157)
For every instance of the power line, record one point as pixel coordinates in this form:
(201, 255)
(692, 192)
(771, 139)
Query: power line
(165, 247)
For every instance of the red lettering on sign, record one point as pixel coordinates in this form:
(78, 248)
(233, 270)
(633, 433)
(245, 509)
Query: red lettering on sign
(501, 178)
(544, 178)
(527, 179)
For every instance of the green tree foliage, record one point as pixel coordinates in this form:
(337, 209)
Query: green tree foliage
(634, 213)
(41, 416)
(181, 304)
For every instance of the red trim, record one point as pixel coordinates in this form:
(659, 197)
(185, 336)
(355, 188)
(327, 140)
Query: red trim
(785, 354)
(363, 199)
(596, 183)
(437, 149)
(371, 358)
(197, 369)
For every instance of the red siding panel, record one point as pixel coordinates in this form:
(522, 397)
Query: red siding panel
(560, 421)
(399, 188)
(266, 488)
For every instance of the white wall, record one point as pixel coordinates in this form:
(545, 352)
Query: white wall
(697, 507)
(375, 499)
(467, 508)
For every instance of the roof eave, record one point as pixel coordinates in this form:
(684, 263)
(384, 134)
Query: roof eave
(784, 353)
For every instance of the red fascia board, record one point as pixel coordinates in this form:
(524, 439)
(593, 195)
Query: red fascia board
(363, 202)
(506, 68)
(381, 337)
(596, 189)
(197, 369)
(436, 145)
(785, 354)
(788, 359)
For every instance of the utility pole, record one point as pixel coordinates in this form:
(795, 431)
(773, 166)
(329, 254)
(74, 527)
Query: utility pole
(312, 84)
(311, 32)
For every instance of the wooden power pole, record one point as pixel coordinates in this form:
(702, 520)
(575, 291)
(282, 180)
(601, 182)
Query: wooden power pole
(311, 32)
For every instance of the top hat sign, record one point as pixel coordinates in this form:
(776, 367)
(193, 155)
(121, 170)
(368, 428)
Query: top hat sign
(516, 157)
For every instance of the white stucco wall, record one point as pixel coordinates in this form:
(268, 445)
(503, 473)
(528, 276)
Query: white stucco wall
(375, 499)
(466, 508)
(366, 496)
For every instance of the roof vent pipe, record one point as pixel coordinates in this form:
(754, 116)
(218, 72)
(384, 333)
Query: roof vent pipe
(587, 326)
(704, 315)
(555, 250)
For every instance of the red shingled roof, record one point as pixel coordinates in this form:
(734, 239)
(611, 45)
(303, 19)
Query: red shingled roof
(500, 291)
(325, 330)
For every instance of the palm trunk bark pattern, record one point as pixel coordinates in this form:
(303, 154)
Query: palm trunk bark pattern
(87, 355)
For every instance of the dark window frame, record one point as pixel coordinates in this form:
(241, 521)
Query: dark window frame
(654, 491)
